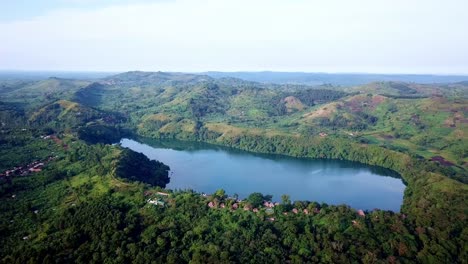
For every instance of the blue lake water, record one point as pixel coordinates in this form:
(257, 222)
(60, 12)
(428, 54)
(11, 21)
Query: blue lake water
(206, 168)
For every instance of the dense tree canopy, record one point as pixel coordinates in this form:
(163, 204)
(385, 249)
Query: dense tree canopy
(137, 167)
(97, 133)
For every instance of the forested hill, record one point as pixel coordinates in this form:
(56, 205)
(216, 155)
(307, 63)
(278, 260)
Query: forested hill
(423, 120)
(155, 78)
(91, 201)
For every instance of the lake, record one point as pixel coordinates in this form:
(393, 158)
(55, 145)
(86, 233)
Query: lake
(206, 168)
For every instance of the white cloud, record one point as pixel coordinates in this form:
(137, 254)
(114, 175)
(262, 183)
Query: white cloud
(188, 35)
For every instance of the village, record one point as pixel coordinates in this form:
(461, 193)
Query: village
(33, 167)
(233, 204)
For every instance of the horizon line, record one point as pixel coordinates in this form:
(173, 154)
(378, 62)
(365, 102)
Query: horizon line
(234, 71)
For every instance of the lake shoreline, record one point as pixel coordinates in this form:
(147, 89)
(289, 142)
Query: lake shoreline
(320, 180)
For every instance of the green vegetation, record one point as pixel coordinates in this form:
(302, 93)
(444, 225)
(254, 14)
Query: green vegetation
(95, 133)
(137, 167)
(256, 199)
(90, 203)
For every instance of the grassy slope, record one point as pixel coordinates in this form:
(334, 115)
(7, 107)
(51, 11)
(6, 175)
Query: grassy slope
(428, 127)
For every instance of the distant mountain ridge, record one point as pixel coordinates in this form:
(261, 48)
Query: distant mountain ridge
(155, 78)
(344, 79)
(270, 77)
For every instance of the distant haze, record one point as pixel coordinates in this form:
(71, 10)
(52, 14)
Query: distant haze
(366, 36)
(335, 78)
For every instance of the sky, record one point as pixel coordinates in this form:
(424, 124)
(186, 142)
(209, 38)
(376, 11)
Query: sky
(365, 36)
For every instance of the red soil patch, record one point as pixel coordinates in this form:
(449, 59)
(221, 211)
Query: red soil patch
(292, 102)
(387, 136)
(357, 103)
(442, 161)
(58, 141)
(376, 100)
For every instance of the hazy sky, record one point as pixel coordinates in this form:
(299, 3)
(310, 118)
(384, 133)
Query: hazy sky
(377, 36)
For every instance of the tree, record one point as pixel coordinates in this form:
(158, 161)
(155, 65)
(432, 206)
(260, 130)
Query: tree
(137, 167)
(220, 194)
(285, 199)
(255, 199)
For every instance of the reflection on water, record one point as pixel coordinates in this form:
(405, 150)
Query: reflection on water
(206, 168)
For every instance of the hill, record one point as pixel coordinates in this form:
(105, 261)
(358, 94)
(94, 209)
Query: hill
(422, 119)
(154, 78)
(36, 93)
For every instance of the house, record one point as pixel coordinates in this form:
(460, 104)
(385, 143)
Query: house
(38, 165)
(206, 195)
(235, 206)
(211, 205)
(156, 202)
(322, 134)
(361, 213)
(247, 207)
(255, 210)
(222, 205)
(271, 219)
(306, 211)
(162, 193)
(295, 210)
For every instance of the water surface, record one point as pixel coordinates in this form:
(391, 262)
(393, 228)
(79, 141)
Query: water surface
(206, 168)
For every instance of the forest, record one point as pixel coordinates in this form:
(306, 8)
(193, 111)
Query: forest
(92, 201)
